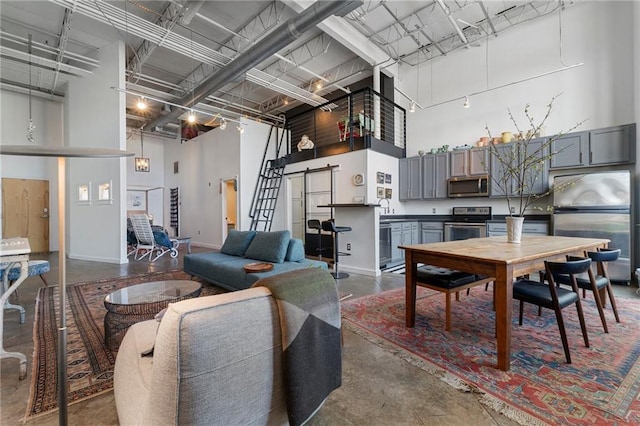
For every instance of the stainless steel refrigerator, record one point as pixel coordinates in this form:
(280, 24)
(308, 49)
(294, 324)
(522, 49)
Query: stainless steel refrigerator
(597, 205)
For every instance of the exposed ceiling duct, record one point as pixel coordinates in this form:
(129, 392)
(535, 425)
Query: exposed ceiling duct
(279, 38)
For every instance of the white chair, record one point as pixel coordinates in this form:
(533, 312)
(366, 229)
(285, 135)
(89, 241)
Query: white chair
(147, 243)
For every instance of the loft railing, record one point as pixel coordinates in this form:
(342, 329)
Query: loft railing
(360, 120)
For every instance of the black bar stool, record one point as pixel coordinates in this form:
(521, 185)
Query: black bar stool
(315, 224)
(329, 225)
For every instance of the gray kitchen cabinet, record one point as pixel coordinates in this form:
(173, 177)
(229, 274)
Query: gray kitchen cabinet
(396, 240)
(468, 162)
(541, 181)
(600, 147)
(402, 233)
(612, 145)
(410, 174)
(410, 233)
(570, 150)
(432, 232)
(435, 172)
(495, 229)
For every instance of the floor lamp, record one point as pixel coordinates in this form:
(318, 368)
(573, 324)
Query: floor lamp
(62, 153)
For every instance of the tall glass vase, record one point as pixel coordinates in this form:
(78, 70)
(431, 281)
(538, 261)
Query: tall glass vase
(514, 228)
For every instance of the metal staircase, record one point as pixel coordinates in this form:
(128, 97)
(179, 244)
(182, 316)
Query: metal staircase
(268, 185)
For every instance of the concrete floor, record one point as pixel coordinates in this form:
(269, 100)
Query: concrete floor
(378, 388)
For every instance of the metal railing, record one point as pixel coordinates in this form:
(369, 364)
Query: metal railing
(360, 120)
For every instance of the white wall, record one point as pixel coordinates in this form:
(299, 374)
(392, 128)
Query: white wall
(599, 34)
(14, 119)
(95, 117)
(595, 33)
(205, 162)
(154, 150)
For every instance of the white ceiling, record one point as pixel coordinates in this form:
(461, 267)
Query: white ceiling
(173, 46)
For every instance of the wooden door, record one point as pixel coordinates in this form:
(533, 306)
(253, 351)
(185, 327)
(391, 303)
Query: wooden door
(25, 211)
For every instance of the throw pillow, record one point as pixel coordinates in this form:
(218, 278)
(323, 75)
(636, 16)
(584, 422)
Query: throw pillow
(269, 246)
(295, 252)
(237, 242)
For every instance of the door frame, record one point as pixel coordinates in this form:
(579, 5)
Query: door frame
(223, 211)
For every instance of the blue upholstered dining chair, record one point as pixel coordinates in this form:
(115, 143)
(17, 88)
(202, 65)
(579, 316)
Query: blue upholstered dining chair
(596, 282)
(553, 297)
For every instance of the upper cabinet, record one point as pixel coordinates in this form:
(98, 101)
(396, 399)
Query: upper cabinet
(469, 162)
(612, 145)
(410, 183)
(541, 178)
(600, 147)
(435, 171)
(424, 178)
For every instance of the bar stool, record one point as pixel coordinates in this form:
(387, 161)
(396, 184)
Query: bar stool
(315, 224)
(330, 226)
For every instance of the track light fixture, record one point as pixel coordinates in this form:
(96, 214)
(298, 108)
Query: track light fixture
(191, 118)
(412, 107)
(223, 124)
(466, 102)
(240, 129)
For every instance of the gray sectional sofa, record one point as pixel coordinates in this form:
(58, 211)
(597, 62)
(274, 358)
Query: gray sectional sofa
(225, 268)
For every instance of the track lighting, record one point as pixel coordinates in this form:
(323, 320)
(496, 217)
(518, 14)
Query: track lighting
(191, 118)
(223, 124)
(141, 104)
(466, 102)
(240, 129)
(412, 107)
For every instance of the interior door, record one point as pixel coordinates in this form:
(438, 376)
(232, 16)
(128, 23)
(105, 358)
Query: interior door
(297, 206)
(25, 211)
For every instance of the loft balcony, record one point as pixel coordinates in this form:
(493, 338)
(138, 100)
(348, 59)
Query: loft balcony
(363, 119)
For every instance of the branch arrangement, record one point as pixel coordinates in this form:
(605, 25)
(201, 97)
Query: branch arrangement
(519, 164)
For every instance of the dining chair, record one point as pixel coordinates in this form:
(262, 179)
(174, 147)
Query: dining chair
(553, 297)
(596, 283)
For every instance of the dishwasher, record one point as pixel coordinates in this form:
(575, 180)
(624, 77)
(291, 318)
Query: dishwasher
(385, 244)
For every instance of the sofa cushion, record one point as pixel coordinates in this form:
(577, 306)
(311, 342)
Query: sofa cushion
(237, 242)
(295, 251)
(269, 246)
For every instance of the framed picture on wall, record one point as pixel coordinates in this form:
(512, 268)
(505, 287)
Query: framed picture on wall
(84, 193)
(379, 177)
(380, 192)
(136, 200)
(387, 178)
(387, 193)
(105, 195)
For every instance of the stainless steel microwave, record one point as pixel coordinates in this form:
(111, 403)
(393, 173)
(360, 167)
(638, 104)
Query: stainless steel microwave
(471, 186)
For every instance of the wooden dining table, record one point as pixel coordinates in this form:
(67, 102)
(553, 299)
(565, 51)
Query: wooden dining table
(494, 257)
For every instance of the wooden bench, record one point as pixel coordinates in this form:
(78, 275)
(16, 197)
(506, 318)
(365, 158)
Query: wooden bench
(447, 281)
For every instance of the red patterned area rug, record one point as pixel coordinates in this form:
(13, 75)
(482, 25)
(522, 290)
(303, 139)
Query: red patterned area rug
(600, 387)
(90, 362)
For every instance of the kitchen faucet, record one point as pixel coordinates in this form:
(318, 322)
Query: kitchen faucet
(386, 209)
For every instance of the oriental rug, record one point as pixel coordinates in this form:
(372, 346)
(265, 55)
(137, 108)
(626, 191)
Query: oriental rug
(90, 362)
(600, 387)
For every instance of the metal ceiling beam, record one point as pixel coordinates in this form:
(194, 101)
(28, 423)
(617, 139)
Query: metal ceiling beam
(280, 37)
(453, 22)
(112, 15)
(167, 20)
(349, 37)
(62, 45)
(486, 16)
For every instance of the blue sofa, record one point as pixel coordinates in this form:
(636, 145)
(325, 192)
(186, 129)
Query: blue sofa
(225, 268)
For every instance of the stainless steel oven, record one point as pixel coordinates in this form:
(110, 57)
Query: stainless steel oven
(467, 222)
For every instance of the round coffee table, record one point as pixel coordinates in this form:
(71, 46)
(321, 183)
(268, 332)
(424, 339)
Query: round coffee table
(141, 302)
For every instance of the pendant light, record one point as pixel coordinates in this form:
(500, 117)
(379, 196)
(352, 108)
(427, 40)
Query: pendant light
(31, 126)
(142, 162)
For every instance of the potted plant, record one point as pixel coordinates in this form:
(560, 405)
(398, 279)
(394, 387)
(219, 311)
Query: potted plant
(518, 167)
